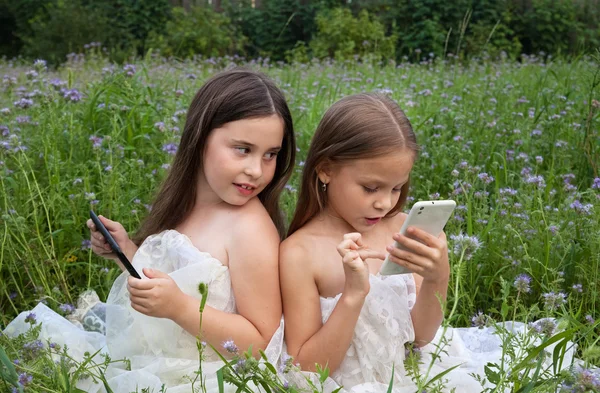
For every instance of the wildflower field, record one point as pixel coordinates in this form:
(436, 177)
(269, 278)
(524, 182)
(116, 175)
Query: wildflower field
(516, 144)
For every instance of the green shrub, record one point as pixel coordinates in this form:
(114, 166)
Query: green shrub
(342, 36)
(63, 27)
(199, 31)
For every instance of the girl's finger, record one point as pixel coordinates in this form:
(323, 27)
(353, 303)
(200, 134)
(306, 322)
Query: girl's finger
(139, 308)
(367, 253)
(355, 237)
(408, 265)
(414, 246)
(141, 284)
(411, 257)
(421, 235)
(139, 293)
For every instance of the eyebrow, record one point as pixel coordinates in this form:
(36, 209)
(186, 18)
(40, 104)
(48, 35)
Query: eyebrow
(377, 181)
(246, 143)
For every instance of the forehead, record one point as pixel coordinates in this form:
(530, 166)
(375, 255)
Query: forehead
(390, 168)
(260, 131)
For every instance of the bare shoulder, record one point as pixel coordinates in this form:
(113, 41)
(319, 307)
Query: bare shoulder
(252, 221)
(297, 250)
(252, 235)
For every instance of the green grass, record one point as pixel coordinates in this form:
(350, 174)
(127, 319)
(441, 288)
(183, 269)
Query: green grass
(517, 146)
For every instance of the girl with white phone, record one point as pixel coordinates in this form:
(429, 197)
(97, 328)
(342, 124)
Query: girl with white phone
(342, 308)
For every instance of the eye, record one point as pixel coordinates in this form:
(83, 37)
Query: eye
(242, 150)
(271, 155)
(397, 189)
(369, 190)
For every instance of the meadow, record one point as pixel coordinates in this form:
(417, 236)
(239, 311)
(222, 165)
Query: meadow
(515, 144)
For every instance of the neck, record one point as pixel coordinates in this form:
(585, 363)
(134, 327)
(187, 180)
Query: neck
(333, 223)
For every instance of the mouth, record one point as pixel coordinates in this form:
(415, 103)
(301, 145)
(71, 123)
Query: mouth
(244, 188)
(372, 220)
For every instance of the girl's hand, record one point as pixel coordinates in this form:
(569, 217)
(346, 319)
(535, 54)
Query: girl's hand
(354, 253)
(99, 244)
(159, 296)
(428, 259)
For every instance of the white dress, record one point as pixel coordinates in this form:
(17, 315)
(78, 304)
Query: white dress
(160, 351)
(384, 327)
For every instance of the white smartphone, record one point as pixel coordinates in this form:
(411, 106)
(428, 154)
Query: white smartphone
(430, 216)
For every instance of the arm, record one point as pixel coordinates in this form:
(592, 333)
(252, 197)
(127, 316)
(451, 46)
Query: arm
(427, 313)
(429, 260)
(310, 341)
(253, 266)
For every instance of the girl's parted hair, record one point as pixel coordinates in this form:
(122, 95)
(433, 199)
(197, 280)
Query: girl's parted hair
(356, 127)
(228, 96)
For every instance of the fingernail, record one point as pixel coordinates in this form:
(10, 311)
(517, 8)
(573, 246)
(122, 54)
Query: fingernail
(389, 248)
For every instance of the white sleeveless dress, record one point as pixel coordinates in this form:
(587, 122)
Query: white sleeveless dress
(161, 353)
(378, 345)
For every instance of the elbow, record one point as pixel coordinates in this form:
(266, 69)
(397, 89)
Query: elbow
(310, 363)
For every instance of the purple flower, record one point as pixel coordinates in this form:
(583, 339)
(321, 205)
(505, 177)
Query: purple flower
(230, 346)
(86, 244)
(67, 308)
(160, 126)
(25, 379)
(552, 300)
(522, 283)
(481, 320)
(23, 103)
(577, 288)
(544, 326)
(58, 84)
(30, 318)
(40, 64)
(71, 95)
(170, 148)
(465, 244)
(96, 140)
(589, 319)
(581, 208)
(32, 349)
(129, 69)
(596, 183)
(537, 180)
(487, 179)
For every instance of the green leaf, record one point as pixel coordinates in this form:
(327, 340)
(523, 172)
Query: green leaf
(536, 351)
(391, 385)
(220, 380)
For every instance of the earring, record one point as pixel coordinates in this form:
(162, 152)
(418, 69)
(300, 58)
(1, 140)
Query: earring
(324, 187)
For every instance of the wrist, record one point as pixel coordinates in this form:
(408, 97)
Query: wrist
(181, 306)
(130, 249)
(438, 282)
(353, 300)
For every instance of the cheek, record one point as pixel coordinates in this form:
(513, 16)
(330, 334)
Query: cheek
(269, 171)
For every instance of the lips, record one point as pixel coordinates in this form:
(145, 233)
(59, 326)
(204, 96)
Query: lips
(244, 188)
(372, 220)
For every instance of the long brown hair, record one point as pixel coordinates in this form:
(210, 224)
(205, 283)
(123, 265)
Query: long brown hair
(228, 96)
(356, 127)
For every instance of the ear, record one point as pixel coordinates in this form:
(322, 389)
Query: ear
(324, 171)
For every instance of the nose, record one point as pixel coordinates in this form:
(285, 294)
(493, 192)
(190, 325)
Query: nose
(384, 202)
(253, 168)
